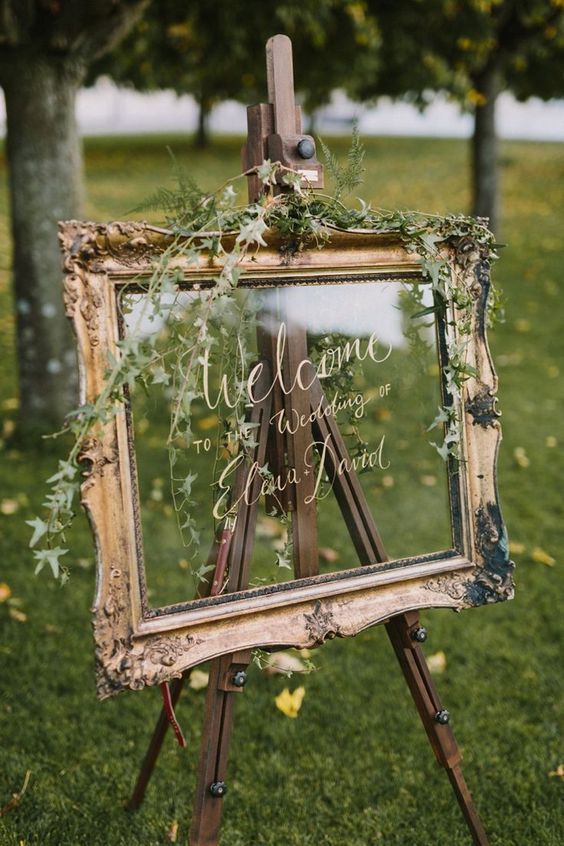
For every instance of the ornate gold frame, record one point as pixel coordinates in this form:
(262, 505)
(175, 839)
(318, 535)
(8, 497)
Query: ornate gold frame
(137, 646)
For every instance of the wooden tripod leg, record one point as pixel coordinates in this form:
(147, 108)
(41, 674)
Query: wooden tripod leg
(152, 754)
(227, 674)
(227, 678)
(403, 632)
(240, 554)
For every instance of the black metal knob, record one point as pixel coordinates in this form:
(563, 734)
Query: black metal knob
(419, 634)
(218, 789)
(239, 679)
(442, 717)
(306, 148)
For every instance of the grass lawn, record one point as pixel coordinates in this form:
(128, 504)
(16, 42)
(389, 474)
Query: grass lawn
(354, 769)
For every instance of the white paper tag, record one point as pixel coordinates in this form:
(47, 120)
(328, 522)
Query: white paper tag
(310, 175)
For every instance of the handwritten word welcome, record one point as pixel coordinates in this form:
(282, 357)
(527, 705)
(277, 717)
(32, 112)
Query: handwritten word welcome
(303, 378)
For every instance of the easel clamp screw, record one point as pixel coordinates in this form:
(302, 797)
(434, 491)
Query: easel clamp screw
(239, 679)
(306, 148)
(218, 789)
(419, 634)
(442, 717)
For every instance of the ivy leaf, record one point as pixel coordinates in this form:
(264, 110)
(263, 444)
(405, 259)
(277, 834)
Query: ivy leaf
(433, 270)
(444, 450)
(186, 487)
(229, 196)
(40, 528)
(443, 416)
(294, 180)
(51, 557)
(283, 559)
(160, 377)
(66, 471)
(266, 172)
(251, 232)
(429, 241)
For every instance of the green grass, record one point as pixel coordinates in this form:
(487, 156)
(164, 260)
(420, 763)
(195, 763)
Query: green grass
(354, 769)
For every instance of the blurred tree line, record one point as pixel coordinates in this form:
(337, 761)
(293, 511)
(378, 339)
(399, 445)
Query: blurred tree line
(473, 49)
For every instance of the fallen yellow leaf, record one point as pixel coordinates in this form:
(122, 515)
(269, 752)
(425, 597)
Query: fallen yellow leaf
(9, 506)
(437, 662)
(198, 679)
(141, 425)
(550, 441)
(516, 548)
(8, 428)
(558, 772)
(208, 422)
(172, 833)
(229, 450)
(17, 615)
(269, 527)
(541, 557)
(382, 414)
(290, 703)
(521, 457)
(328, 554)
(5, 592)
(388, 481)
(429, 481)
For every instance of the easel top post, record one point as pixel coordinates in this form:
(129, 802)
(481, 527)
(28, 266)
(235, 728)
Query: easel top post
(280, 83)
(274, 128)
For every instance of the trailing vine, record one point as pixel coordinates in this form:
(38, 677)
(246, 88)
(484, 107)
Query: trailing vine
(174, 359)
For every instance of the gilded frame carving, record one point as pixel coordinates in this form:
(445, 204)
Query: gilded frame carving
(138, 646)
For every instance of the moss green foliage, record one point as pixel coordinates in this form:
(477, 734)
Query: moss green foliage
(355, 767)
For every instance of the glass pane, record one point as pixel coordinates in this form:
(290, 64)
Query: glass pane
(374, 374)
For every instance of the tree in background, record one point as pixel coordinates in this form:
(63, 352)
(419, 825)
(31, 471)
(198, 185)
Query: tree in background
(474, 49)
(45, 49)
(215, 50)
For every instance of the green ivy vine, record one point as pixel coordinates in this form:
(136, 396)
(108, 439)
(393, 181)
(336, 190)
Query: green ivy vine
(197, 221)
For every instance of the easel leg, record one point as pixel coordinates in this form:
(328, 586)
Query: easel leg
(403, 632)
(152, 754)
(404, 629)
(227, 677)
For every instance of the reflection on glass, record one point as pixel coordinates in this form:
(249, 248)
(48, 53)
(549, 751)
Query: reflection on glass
(352, 354)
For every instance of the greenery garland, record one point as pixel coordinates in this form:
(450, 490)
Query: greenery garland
(197, 221)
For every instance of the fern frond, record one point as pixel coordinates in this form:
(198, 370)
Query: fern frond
(354, 173)
(332, 164)
(181, 204)
(347, 178)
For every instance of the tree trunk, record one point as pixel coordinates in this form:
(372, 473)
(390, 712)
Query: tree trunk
(45, 176)
(202, 137)
(485, 169)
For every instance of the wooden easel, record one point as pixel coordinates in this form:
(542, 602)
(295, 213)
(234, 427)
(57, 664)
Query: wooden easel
(274, 131)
